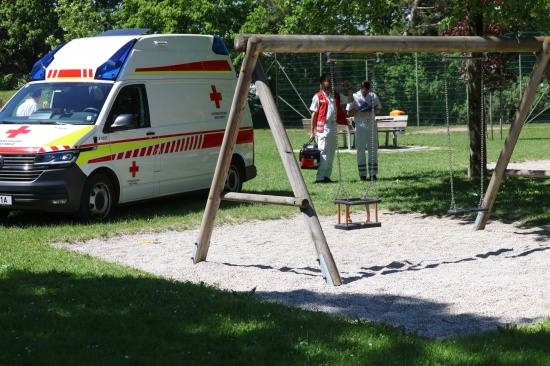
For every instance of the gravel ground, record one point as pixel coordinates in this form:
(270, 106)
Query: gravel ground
(430, 275)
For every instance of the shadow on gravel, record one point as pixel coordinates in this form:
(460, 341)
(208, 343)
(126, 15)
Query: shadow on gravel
(414, 315)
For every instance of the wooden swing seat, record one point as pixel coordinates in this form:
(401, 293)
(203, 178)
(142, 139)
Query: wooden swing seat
(349, 224)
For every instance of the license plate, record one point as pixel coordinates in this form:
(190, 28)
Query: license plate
(5, 200)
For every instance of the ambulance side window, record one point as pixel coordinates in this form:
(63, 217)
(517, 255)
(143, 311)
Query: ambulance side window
(131, 100)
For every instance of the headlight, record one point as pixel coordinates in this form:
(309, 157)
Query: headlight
(57, 158)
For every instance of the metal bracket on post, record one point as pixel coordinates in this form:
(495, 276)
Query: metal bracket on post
(195, 251)
(324, 270)
(226, 150)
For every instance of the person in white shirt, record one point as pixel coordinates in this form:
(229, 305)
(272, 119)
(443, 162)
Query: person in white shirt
(30, 105)
(364, 108)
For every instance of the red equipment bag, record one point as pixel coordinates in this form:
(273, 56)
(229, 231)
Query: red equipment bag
(310, 155)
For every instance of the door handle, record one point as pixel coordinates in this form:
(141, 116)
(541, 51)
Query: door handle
(150, 133)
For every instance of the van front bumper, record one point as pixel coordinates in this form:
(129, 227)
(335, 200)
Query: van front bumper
(55, 190)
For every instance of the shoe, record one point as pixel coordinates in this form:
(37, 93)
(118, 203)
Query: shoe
(327, 180)
(363, 177)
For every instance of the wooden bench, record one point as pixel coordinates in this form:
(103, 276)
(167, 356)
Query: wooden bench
(395, 125)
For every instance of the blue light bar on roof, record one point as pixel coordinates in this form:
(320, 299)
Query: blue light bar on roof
(110, 69)
(219, 47)
(38, 71)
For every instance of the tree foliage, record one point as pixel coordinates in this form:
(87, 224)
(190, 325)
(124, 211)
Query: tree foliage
(84, 18)
(222, 17)
(489, 18)
(25, 25)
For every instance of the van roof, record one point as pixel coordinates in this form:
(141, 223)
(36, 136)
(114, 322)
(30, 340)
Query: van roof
(116, 57)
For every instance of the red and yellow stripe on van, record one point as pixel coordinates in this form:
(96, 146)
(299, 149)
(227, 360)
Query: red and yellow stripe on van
(131, 149)
(70, 74)
(201, 67)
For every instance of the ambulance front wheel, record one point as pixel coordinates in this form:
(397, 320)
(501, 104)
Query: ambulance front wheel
(235, 176)
(98, 199)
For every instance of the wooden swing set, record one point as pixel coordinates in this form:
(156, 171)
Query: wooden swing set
(251, 70)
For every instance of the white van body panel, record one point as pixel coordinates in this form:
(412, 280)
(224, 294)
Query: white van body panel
(176, 91)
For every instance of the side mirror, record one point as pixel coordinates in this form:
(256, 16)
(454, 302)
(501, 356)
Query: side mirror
(124, 122)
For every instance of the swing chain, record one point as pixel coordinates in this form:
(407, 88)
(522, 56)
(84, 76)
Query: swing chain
(483, 141)
(340, 183)
(374, 134)
(453, 203)
(481, 206)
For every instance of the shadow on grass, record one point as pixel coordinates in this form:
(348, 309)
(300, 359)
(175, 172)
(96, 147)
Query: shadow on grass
(176, 206)
(57, 318)
(518, 199)
(172, 206)
(64, 318)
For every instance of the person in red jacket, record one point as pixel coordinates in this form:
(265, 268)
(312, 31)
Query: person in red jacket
(326, 113)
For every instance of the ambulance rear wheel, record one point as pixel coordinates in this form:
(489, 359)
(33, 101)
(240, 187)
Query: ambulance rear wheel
(98, 199)
(235, 176)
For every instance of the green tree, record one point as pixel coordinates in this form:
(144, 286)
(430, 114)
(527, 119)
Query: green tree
(84, 18)
(223, 18)
(482, 18)
(25, 26)
(471, 18)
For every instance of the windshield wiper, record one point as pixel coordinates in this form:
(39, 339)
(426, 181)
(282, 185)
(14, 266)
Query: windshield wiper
(51, 123)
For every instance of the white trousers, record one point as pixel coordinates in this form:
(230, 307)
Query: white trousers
(327, 143)
(364, 134)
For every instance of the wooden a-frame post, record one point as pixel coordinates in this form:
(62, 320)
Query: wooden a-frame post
(302, 199)
(509, 144)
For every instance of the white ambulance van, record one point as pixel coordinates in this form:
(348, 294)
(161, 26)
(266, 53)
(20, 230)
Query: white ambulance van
(120, 118)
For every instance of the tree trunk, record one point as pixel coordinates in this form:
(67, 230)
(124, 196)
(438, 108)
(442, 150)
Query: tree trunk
(475, 110)
(412, 19)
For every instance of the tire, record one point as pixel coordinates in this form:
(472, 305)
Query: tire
(98, 199)
(235, 177)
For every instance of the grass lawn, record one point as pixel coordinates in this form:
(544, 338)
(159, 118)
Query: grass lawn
(64, 308)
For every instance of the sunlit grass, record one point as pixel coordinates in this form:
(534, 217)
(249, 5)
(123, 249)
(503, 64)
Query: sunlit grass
(64, 308)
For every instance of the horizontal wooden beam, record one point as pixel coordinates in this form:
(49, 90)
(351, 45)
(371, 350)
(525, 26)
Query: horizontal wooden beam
(394, 44)
(527, 173)
(262, 198)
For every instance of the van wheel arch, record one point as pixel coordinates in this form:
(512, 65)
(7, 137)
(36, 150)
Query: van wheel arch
(99, 197)
(235, 175)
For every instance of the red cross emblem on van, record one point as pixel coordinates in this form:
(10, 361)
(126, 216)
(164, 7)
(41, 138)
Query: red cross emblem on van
(14, 133)
(216, 96)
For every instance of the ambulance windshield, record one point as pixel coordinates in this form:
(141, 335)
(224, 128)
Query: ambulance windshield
(56, 103)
